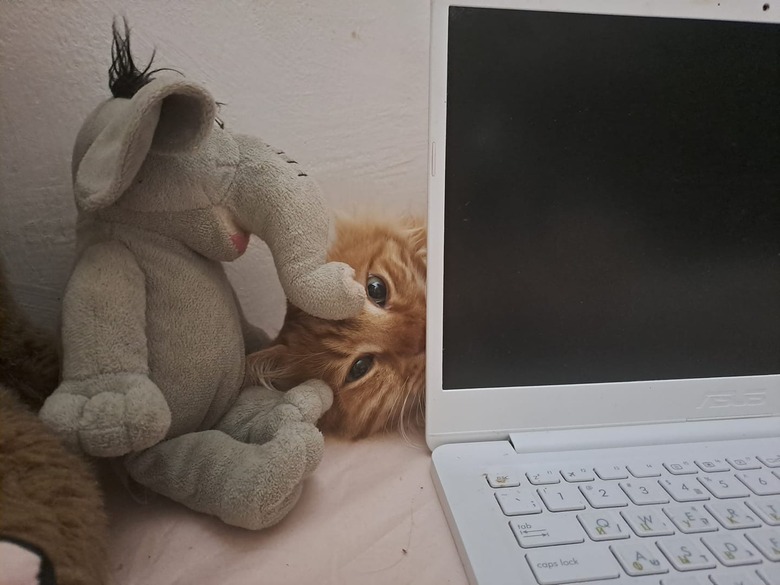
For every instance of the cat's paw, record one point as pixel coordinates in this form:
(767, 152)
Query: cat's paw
(109, 415)
(330, 292)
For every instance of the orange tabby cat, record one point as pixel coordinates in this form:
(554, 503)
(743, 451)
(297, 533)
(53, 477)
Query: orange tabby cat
(375, 362)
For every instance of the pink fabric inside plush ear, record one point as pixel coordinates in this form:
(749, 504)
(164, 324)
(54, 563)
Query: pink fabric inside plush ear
(19, 565)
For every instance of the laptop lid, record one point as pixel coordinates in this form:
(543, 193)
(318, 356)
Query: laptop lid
(604, 215)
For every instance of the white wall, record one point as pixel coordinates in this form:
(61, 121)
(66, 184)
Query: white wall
(340, 84)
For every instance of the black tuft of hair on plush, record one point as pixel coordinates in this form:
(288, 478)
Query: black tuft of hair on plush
(124, 77)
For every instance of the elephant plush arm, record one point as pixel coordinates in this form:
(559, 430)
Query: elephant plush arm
(104, 315)
(106, 404)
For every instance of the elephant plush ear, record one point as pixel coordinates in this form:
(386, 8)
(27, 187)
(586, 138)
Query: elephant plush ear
(168, 115)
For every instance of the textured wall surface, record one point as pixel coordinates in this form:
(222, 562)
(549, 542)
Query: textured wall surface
(340, 84)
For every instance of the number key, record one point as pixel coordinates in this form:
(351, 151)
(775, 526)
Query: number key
(760, 482)
(562, 498)
(724, 486)
(604, 495)
(644, 492)
(684, 489)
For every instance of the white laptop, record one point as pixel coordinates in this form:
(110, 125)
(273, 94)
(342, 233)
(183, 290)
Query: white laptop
(603, 370)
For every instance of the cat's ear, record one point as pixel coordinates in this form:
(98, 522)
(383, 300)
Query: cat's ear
(270, 367)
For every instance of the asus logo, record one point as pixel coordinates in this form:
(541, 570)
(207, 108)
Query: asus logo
(733, 399)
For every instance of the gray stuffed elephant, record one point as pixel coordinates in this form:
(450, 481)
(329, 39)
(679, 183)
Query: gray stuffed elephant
(153, 338)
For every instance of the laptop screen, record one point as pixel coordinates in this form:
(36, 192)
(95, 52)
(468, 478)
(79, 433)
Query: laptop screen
(612, 202)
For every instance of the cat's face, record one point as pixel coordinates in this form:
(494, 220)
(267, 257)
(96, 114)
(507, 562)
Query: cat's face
(375, 362)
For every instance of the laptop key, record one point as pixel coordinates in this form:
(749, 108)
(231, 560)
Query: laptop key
(732, 515)
(576, 474)
(768, 509)
(691, 519)
(644, 470)
(546, 530)
(604, 495)
(518, 502)
(603, 525)
(681, 467)
(572, 564)
(760, 482)
(766, 540)
(724, 486)
(611, 472)
(770, 574)
(686, 554)
(731, 549)
(687, 580)
(712, 465)
(562, 498)
(648, 522)
(639, 559)
(737, 578)
(770, 460)
(543, 477)
(743, 463)
(684, 489)
(644, 492)
(503, 478)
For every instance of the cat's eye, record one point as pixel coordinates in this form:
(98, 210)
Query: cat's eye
(360, 368)
(377, 290)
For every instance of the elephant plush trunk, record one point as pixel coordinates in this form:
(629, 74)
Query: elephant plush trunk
(273, 198)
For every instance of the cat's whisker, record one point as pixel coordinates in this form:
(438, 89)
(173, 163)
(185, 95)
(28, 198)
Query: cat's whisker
(402, 425)
(420, 408)
(391, 411)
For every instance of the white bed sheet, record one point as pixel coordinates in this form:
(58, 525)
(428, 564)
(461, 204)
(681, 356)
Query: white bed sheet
(369, 514)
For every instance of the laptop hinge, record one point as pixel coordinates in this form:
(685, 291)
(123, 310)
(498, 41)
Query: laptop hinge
(636, 435)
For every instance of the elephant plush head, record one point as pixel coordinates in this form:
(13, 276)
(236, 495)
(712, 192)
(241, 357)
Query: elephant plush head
(154, 156)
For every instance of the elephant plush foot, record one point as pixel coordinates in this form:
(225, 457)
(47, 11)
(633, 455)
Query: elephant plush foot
(329, 292)
(109, 415)
(249, 470)
(243, 484)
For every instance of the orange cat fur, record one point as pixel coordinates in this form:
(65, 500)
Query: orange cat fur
(375, 362)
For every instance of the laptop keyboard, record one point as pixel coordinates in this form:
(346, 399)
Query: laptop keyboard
(686, 521)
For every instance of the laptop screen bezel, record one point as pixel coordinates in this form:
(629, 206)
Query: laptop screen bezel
(493, 413)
